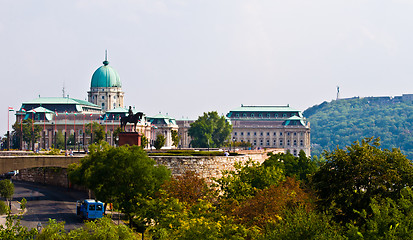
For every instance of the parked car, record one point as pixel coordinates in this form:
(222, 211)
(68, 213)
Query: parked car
(89, 209)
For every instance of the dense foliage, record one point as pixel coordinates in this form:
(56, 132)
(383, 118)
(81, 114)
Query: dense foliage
(159, 141)
(27, 130)
(359, 192)
(341, 122)
(125, 176)
(210, 131)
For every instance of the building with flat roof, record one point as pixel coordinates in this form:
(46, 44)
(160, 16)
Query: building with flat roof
(271, 127)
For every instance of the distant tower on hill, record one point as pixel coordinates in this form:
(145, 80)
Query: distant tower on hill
(338, 92)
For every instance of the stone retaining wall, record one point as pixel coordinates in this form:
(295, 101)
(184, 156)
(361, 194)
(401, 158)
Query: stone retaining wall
(207, 167)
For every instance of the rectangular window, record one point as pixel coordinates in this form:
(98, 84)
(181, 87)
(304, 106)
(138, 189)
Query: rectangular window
(288, 142)
(295, 142)
(268, 133)
(248, 133)
(275, 134)
(255, 133)
(255, 142)
(235, 133)
(261, 142)
(281, 142)
(275, 142)
(242, 133)
(301, 143)
(92, 207)
(268, 142)
(262, 134)
(281, 133)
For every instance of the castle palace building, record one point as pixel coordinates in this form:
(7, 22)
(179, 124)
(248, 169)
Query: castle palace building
(67, 117)
(271, 127)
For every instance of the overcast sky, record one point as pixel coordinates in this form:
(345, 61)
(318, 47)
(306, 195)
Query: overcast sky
(188, 57)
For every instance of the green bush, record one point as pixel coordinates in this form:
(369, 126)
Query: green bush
(3, 208)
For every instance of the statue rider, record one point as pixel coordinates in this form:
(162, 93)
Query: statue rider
(130, 111)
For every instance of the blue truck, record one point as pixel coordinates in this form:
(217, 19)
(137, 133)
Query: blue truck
(89, 209)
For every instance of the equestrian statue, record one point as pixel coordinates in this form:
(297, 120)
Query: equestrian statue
(131, 118)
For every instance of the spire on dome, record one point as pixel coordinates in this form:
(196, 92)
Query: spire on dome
(106, 58)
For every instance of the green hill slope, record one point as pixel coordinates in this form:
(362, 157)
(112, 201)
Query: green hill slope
(341, 122)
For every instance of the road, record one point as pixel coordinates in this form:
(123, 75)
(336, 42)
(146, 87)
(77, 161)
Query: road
(44, 202)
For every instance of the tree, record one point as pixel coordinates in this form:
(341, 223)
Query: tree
(144, 141)
(98, 131)
(99, 229)
(269, 204)
(210, 130)
(245, 181)
(116, 135)
(125, 176)
(30, 131)
(60, 140)
(300, 167)
(188, 188)
(350, 178)
(6, 189)
(390, 219)
(159, 141)
(175, 138)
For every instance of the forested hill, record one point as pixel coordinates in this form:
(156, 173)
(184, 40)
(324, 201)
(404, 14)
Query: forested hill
(341, 122)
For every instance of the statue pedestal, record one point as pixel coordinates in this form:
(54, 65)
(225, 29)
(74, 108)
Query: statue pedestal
(130, 138)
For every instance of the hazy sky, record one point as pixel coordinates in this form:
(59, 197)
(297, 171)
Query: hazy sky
(188, 57)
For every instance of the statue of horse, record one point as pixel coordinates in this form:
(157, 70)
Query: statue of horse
(130, 119)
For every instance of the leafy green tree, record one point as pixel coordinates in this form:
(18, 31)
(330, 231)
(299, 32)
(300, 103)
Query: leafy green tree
(13, 230)
(299, 223)
(246, 180)
(188, 188)
(3, 208)
(60, 140)
(268, 205)
(98, 131)
(116, 134)
(144, 141)
(210, 130)
(390, 219)
(352, 177)
(71, 140)
(125, 176)
(6, 189)
(30, 131)
(175, 138)
(102, 228)
(159, 141)
(300, 167)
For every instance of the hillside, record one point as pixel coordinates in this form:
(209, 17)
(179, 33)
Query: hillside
(341, 122)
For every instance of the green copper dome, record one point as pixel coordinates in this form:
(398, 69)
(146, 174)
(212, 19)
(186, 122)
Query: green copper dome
(105, 76)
